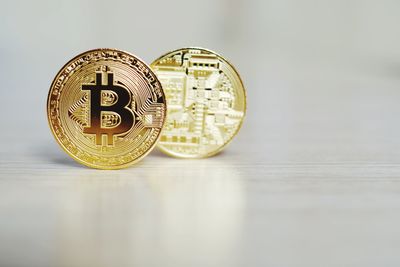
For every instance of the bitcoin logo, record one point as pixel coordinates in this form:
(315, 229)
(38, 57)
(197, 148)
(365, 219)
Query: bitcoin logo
(99, 118)
(106, 108)
(206, 102)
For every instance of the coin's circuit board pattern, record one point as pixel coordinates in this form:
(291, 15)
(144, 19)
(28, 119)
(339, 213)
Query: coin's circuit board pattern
(205, 99)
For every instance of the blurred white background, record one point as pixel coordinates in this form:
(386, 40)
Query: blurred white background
(327, 57)
(311, 180)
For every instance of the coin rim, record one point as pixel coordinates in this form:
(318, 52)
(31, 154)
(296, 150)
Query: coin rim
(213, 153)
(103, 167)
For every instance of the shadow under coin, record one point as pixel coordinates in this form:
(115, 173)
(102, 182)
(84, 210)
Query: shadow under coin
(157, 153)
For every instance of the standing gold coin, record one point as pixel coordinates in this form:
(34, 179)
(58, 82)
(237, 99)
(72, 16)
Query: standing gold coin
(106, 108)
(206, 102)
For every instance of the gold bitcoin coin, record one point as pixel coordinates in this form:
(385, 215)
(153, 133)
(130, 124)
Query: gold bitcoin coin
(206, 102)
(106, 108)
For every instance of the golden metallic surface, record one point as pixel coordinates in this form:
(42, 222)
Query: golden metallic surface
(106, 108)
(206, 102)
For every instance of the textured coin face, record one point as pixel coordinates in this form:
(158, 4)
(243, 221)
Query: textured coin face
(206, 102)
(106, 108)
